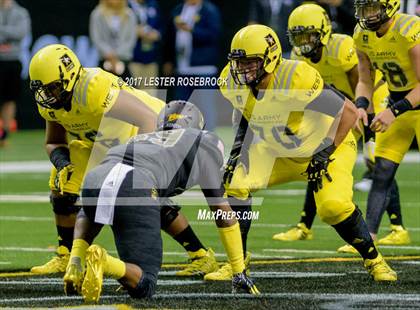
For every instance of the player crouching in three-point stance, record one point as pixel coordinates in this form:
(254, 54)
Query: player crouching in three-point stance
(388, 41)
(126, 191)
(304, 131)
(87, 110)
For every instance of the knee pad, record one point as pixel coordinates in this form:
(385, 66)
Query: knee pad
(333, 211)
(168, 213)
(64, 204)
(384, 171)
(145, 288)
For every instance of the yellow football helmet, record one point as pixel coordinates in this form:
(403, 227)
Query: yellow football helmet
(371, 14)
(53, 71)
(309, 27)
(254, 52)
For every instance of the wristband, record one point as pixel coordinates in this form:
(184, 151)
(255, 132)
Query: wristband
(60, 157)
(362, 102)
(400, 107)
(325, 149)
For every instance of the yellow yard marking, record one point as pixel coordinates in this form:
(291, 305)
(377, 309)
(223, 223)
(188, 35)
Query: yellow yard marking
(257, 262)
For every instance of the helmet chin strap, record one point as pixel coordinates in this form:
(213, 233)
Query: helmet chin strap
(257, 81)
(375, 26)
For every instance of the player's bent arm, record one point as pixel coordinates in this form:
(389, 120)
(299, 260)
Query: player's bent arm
(130, 109)
(332, 103)
(366, 72)
(383, 120)
(348, 118)
(55, 136)
(58, 151)
(353, 77)
(364, 88)
(414, 95)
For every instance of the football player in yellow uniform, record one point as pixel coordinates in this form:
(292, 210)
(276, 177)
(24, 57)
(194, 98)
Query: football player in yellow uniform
(87, 111)
(304, 128)
(334, 56)
(388, 41)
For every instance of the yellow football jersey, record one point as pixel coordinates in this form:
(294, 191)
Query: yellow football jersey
(338, 57)
(389, 53)
(282, 115)
(93, 96)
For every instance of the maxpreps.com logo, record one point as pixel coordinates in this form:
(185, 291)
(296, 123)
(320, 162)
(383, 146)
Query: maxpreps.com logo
(67, 62)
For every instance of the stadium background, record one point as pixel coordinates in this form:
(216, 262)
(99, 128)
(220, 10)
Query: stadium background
(68, 22)
(302, 275)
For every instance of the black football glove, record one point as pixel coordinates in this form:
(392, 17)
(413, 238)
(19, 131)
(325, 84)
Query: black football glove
(236, 157)
(241, 283)
(318, 166)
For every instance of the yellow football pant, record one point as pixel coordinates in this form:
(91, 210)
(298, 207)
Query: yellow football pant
(334, 201)
(396, 141)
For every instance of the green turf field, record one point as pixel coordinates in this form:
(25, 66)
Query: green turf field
(284, 271)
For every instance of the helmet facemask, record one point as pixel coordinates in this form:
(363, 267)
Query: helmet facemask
(52, 95)
(306, 41)
(370, 15)
(246, 69)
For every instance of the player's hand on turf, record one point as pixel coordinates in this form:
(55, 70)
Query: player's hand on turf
(62, 177)
(241, 283)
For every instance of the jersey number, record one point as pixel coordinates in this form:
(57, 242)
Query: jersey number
(394, 72)
(278, 132)
(91, 136)
(162, 138)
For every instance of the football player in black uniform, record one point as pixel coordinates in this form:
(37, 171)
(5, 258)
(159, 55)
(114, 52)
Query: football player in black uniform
(127, 191)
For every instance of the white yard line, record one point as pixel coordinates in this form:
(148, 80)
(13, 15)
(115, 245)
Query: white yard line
(281, 275)
(299, 251)
(195, 223)
(411, 262)
(26, 218)
(25, 166)
(194, 198)
(24, 198)
(59, 281)
(45, 165)
(24, 249)
(351, 298)
(401, 247)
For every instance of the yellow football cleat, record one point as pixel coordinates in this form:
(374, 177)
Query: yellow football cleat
(203, 262)
(92, 284)
(397, 236)
(73, 279)
(347, 248)
(57, 264)
(300, 232)
(379, 270)
(225, 272)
